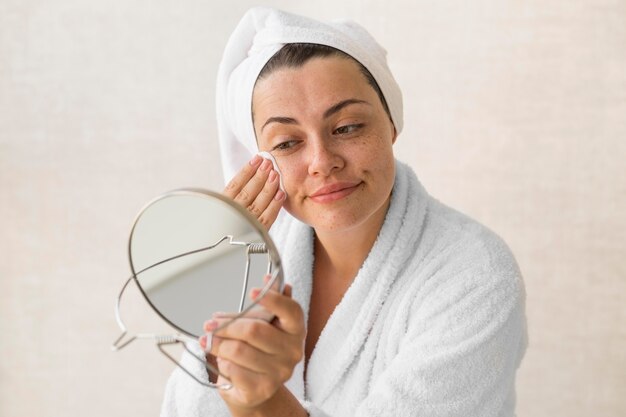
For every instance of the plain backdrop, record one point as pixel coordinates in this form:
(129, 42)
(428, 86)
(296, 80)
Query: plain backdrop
(515, 114)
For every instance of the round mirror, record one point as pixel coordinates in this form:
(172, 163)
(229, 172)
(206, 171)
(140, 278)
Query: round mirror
(195, 252)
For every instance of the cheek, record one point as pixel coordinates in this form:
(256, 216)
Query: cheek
(375, 152)
(377, 163)
(291, 172)
(292, 181)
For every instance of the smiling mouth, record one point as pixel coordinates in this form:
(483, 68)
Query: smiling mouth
(334, 192)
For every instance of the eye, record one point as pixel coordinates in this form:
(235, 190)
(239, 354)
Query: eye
(347, 129)
(285, 145)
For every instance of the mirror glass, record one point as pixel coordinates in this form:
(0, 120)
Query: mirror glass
(191, 251)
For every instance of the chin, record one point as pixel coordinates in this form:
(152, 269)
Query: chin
(333, 222)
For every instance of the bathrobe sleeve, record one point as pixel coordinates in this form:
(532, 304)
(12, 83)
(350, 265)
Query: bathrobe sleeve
(184, 397)
(464, 339)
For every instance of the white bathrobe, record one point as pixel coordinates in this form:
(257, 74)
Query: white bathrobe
(432, 325)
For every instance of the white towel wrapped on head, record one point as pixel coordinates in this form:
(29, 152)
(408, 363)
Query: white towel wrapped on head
(259, 35)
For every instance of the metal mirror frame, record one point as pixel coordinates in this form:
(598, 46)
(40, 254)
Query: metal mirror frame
(275, 268)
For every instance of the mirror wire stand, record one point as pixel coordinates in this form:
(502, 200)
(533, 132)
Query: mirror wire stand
(163, 340)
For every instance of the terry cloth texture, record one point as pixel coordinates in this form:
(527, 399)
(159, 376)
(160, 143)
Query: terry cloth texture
(432, 325)
(259, 35)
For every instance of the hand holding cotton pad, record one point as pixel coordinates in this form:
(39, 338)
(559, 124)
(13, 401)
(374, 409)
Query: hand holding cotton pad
(270, 158)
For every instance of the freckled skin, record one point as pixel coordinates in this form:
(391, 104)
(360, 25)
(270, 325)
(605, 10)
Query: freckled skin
(352, 145)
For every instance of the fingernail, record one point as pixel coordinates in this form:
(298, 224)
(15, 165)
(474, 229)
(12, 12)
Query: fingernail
(210, 325)
(255, 293)
(272, 176)
(203, 341)
(265, 165)
(279, 195)
(256, 160)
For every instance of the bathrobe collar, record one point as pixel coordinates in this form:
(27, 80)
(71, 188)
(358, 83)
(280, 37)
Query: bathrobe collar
(352, 320)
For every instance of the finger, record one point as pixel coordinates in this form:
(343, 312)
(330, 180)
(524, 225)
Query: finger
(224, 315)
(287, 290)
(202, 340)
(256, 313)
(270, 213)
(254, 186)
(288, 311)
(236, 184)
(244, 355)
(265, 196)
(258, 333)
(245, 380)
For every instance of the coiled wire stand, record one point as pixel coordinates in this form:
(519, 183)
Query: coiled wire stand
(164, 340)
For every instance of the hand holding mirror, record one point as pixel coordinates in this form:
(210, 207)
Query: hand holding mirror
(192, 253)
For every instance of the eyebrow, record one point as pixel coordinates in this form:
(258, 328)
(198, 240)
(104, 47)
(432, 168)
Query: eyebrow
(329, 112)
(279, 119)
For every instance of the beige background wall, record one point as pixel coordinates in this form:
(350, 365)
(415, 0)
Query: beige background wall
(516, 115)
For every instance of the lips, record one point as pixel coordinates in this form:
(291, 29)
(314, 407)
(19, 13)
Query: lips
(335, 191)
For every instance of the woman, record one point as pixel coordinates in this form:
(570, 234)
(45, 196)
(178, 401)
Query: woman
(400, 305)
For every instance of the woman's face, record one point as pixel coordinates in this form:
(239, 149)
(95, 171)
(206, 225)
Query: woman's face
(332, 140)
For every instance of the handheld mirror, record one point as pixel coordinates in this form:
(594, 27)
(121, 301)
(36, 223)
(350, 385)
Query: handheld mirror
(192, 253)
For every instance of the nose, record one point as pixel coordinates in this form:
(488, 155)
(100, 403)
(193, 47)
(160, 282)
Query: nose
(323, 158)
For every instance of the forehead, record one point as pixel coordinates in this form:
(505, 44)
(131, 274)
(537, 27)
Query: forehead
(311, 87)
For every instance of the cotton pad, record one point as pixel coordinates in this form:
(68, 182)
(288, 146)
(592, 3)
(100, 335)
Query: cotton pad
(270, 158)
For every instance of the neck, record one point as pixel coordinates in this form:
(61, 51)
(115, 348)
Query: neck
(343, 252)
